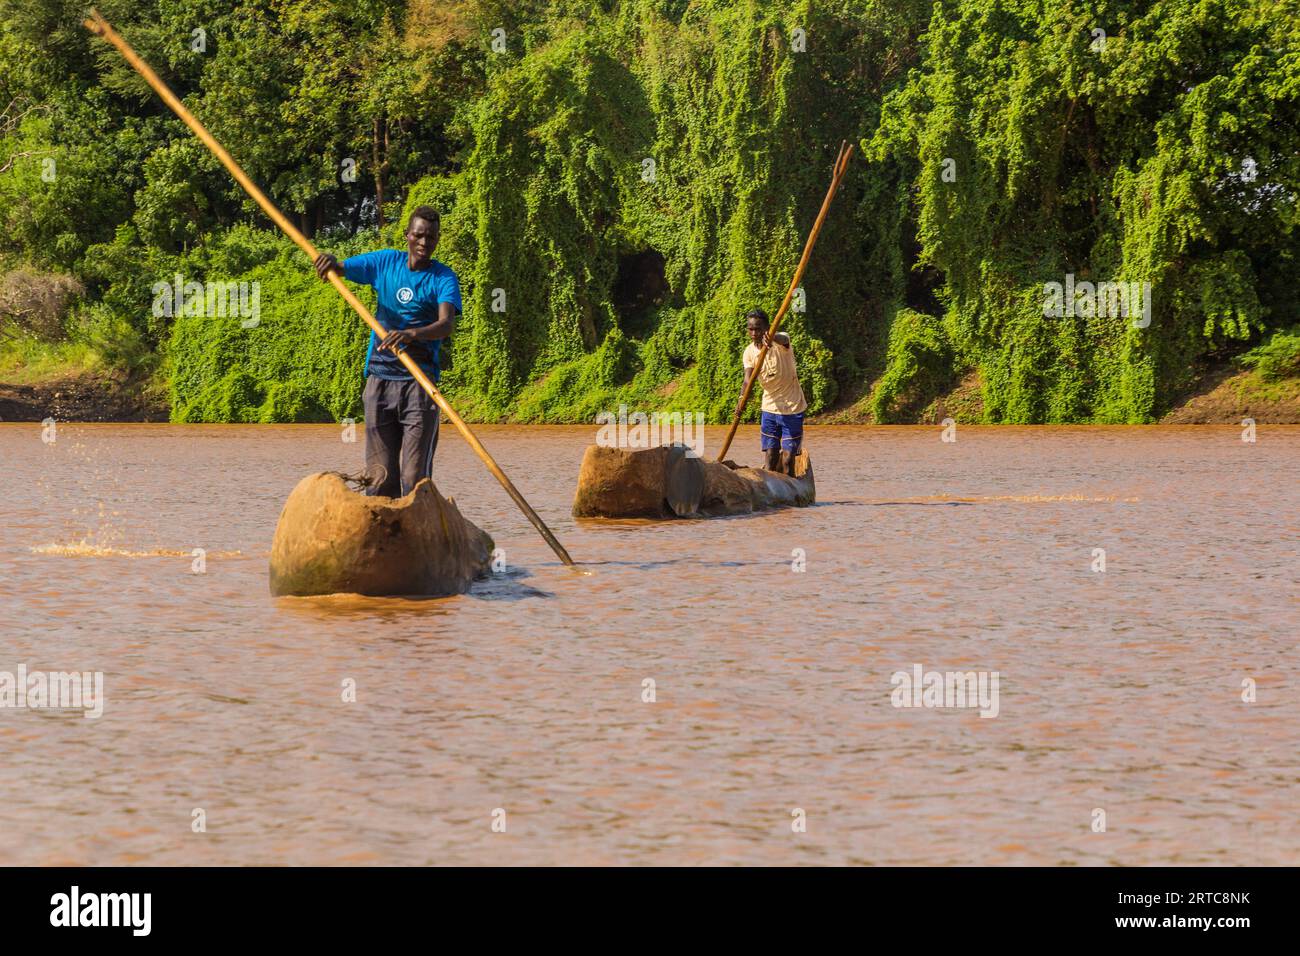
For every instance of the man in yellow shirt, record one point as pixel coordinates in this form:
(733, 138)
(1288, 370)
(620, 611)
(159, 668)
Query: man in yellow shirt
(783, 401)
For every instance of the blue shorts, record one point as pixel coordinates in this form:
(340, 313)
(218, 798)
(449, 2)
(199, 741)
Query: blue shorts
(786, 430)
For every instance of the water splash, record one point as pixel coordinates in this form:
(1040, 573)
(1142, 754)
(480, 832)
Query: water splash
(86, 549)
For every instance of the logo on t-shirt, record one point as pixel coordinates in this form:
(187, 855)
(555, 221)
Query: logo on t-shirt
(405, 294)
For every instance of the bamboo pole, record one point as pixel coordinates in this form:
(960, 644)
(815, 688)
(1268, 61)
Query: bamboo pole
(99, 26)
(837, 175)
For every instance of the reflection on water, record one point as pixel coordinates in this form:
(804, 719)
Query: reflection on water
(1119, 690)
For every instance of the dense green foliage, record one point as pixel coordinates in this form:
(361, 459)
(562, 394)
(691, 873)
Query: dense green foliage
(1164, 152)
(621, 181)
(301, 362)
(919, 360)
(681, 154)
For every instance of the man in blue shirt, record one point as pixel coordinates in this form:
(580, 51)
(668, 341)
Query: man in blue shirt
(419, 299)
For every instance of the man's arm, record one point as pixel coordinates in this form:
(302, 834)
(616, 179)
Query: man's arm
(359, 268)
(438, 329)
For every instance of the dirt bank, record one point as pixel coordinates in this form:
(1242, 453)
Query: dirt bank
(1221, 395)
(1226, 398)
(81, 398)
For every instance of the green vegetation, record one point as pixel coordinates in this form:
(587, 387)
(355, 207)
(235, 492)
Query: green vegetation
(1276, 359)
(621, 181)
(1164, 152)
(919, 360)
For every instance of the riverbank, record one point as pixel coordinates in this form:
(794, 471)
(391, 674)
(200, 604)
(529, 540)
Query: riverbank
(1221, 395)
(83, 396)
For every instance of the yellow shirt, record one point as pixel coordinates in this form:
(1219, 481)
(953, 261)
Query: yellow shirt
(781, 392)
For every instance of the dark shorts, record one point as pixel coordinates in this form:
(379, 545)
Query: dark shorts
(401, 435)
(783, 430)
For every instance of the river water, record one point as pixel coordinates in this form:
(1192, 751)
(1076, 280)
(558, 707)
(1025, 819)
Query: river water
(772, 736)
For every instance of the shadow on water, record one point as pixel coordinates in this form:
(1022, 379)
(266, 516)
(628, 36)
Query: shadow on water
(628, 524)
(506, 586)
(625, 524)
(648, 565)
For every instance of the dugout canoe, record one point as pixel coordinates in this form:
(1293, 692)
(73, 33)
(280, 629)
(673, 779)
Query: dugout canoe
(667, 482)
(333, 540)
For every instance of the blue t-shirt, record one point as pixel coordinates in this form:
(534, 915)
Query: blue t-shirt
(407, 299)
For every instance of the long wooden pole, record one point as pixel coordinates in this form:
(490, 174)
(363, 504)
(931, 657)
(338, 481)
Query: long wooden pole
(99, 26)
(841, 163)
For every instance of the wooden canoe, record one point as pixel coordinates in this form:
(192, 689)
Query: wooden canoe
(667, 482)
(332, 540)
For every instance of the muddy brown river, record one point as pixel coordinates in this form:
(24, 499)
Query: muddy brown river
(713, 691)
